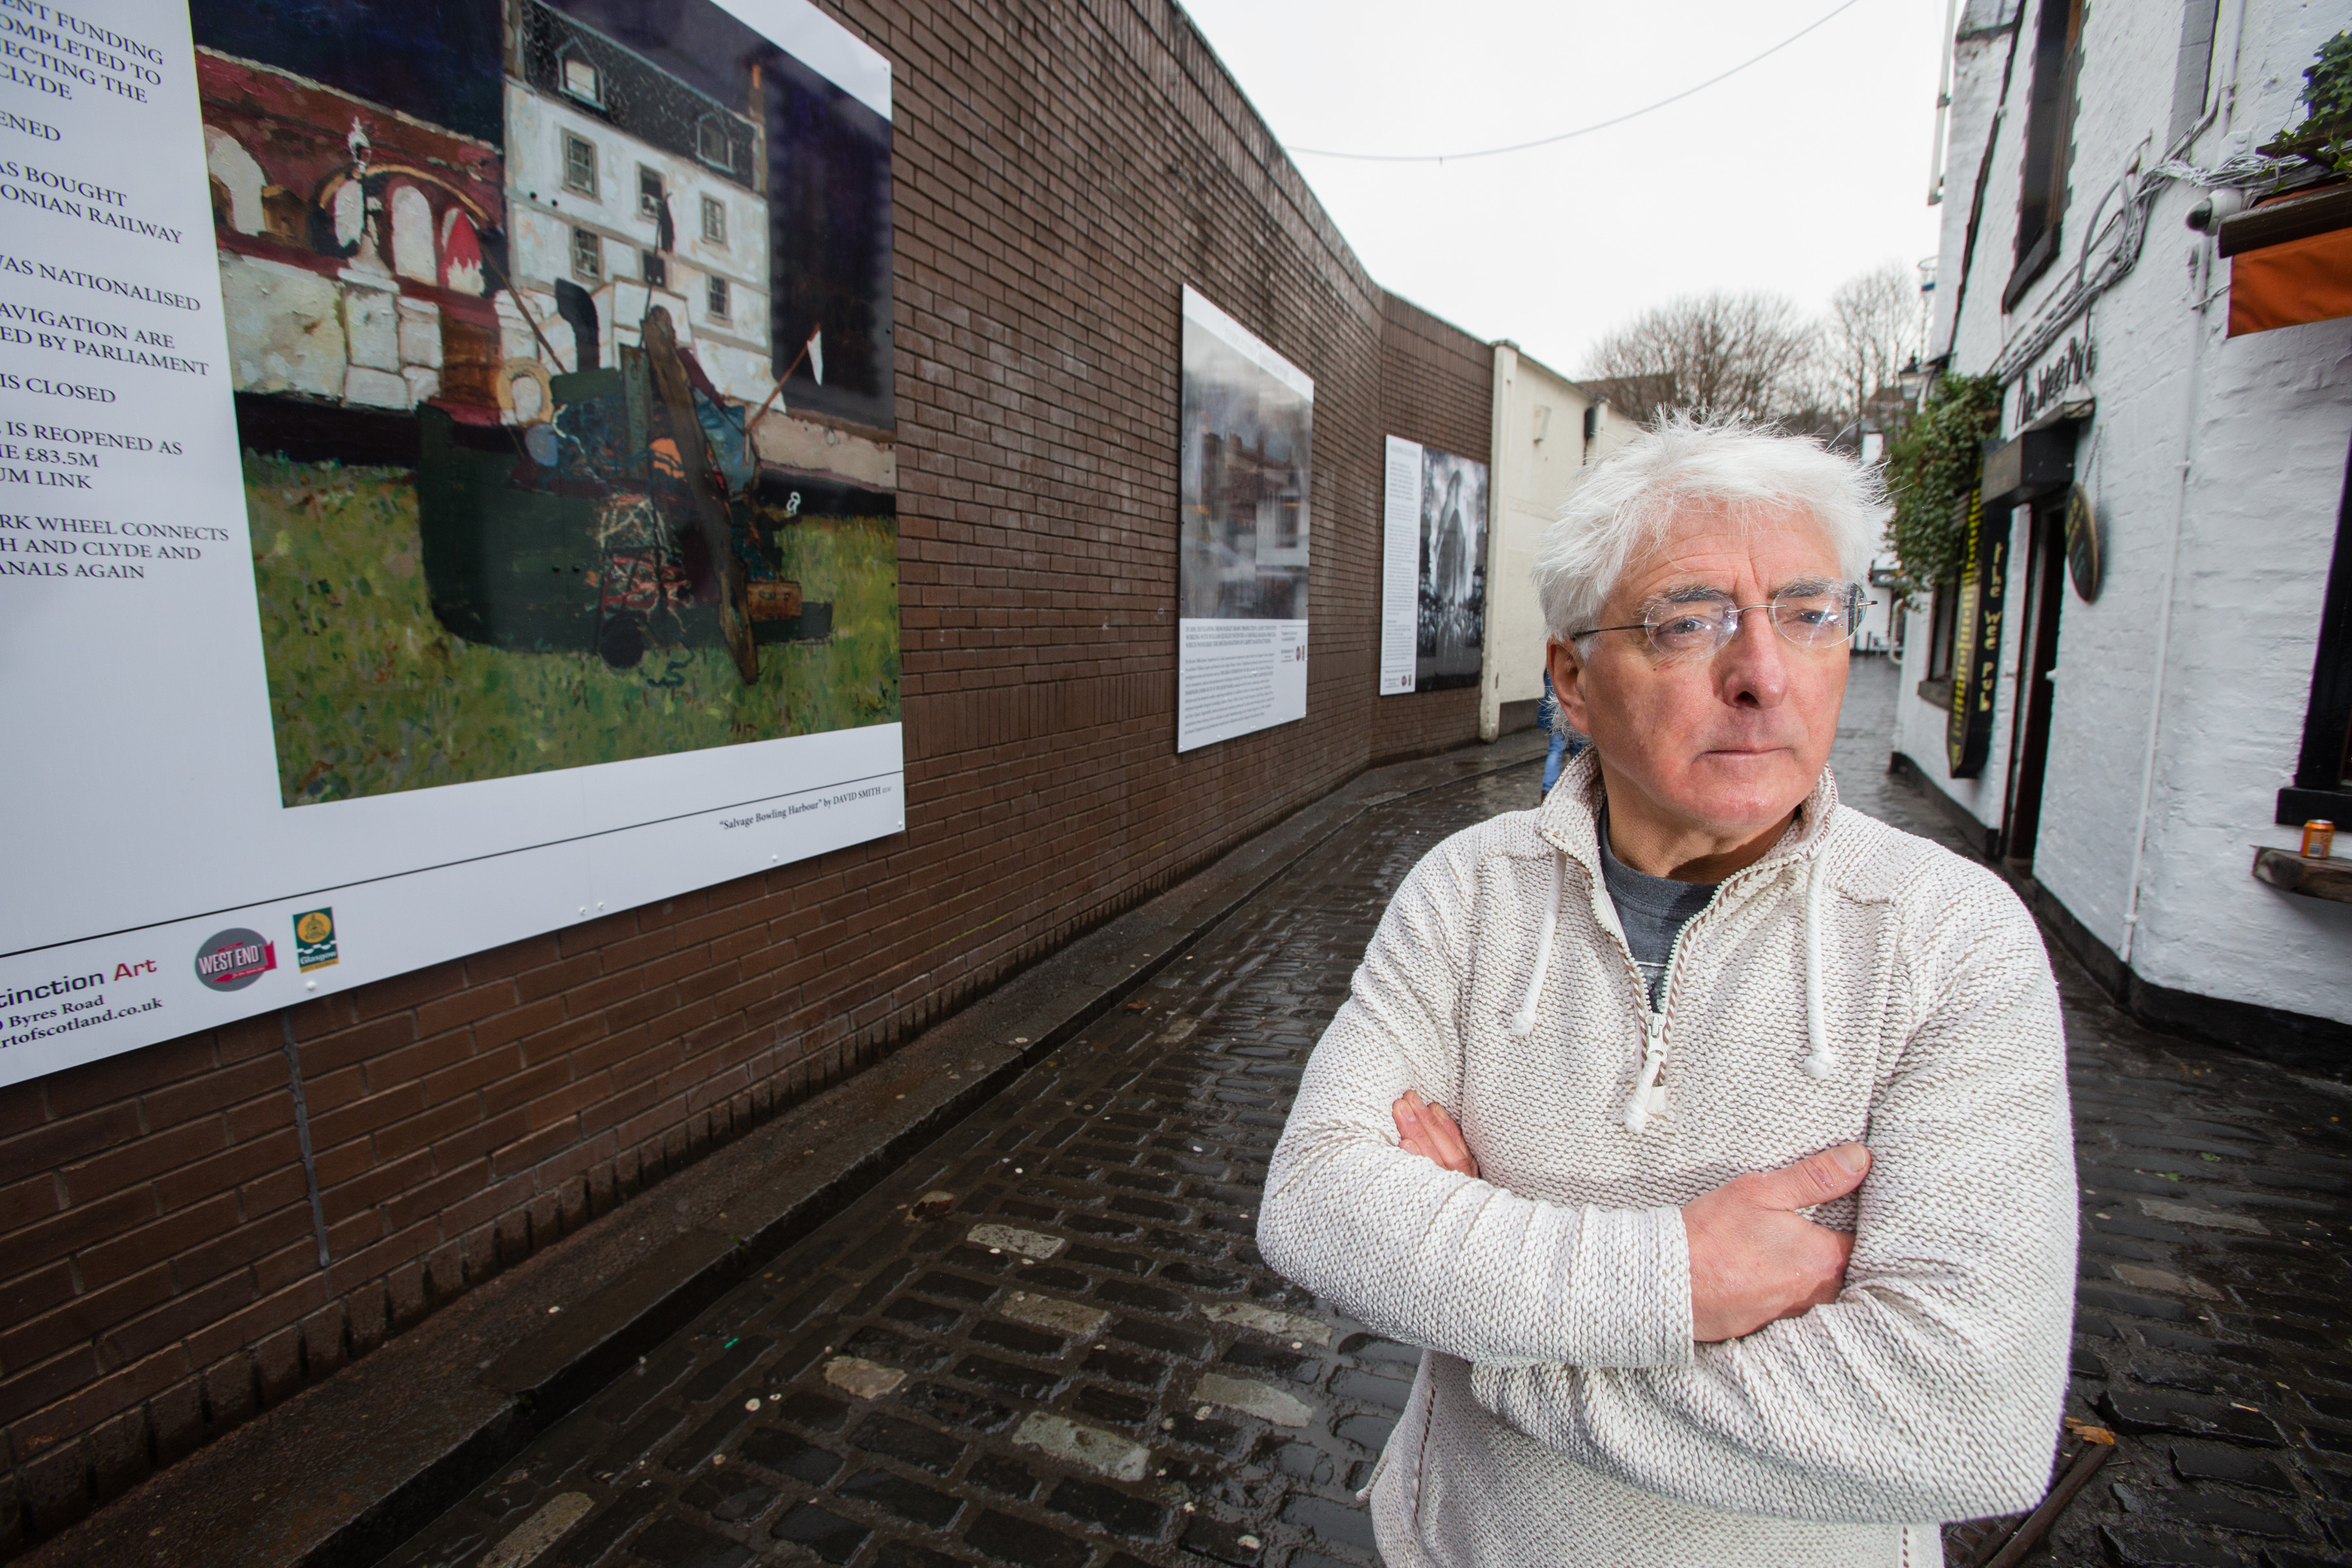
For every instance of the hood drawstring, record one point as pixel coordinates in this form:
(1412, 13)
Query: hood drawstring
(1523, 1022)
(1822, 1061)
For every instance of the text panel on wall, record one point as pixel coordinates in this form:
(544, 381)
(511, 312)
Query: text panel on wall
(1244, 472)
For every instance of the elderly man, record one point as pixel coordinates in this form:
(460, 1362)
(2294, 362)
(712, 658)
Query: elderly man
(1713, 1137)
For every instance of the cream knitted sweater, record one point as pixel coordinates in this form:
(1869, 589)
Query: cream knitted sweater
(1857, 982)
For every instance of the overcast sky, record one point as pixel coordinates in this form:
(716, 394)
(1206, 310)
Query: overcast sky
(1792, 176)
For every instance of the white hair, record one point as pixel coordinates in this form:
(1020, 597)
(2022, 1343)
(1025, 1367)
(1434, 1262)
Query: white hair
(1722, 468)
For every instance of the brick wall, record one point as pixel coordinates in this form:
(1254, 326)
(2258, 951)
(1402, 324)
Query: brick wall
(1062, 168)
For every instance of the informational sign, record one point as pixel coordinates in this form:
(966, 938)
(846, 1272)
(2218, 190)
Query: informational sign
(446, 493)
(1433, 569)
(1976, 649)
(1400, 564)
(1243, 478)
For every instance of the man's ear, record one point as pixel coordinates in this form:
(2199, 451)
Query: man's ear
(1568, 684)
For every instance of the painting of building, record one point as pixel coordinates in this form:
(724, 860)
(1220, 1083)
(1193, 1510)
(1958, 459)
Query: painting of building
(524, 483)
(353, 264)
(631, 188)
(1450, 621)
(1246, 437)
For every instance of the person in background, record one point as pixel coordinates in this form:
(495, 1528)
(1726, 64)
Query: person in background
(1710, 1136)
(1565, 741)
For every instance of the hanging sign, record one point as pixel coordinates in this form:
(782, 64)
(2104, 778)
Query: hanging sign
(2085, 561)
(1976, 651)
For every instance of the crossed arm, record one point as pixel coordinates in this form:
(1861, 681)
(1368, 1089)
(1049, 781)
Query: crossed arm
(1753, 1258)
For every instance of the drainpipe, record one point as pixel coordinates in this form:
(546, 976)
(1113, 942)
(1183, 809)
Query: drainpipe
(1498, 425)
(2225, 106)
(1943, 103)
(2164, 614)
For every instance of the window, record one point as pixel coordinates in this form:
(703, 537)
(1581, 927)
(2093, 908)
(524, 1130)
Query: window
(587, 256)
(714, 221)
(654, 267)
(2323, 775)
(718, 301)
(579, 164)
(1286, 522)
(710, 140)
(582, 81)
(1944, 625)
(649, 192)
(2194, 66)
(2049, 143)
(1943, 636)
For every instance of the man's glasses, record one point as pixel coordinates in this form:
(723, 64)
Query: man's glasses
(1811, 615)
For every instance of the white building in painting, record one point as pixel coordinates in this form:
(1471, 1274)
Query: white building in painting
(1546, 429)
(2164, 598)
(628, 188)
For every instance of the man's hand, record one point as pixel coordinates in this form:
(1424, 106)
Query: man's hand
(1753, 1260)
(1425, 1130)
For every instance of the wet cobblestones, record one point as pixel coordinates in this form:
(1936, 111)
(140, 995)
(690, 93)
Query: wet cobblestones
(1049, 1341)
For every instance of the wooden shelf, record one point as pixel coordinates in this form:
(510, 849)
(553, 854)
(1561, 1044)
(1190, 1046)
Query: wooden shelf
(2291, 873)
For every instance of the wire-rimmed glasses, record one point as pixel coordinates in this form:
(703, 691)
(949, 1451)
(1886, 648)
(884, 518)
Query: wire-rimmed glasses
(1819, 613)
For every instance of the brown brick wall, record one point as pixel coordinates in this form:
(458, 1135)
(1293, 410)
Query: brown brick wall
(1062, 168)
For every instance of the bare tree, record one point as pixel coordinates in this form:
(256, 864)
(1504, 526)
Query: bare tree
(1872, 327)
(1752, 355)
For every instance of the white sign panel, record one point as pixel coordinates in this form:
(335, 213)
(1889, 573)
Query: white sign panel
(1399, 563)
(1244, 478)
(1433, 569)
(389, 567)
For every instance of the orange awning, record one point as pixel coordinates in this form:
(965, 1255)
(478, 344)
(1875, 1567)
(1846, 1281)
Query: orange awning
(2307, 279)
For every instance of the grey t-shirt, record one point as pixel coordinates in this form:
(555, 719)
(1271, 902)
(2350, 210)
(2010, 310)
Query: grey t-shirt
(1653, 909)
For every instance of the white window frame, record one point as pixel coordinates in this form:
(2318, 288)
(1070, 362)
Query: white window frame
(573, 141)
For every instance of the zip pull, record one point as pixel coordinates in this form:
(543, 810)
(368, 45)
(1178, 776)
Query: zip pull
(1647, 1095)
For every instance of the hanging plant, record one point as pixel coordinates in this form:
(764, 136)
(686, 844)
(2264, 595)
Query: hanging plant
(1930, 468)
(2325, 134)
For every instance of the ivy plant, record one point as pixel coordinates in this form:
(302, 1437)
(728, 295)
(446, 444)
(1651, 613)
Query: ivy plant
(1930, 468)
(2325, 134)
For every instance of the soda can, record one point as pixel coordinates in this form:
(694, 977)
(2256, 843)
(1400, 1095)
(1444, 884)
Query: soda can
(2318, 839)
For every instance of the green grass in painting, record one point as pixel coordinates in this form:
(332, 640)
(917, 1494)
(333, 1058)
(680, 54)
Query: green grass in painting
(369, 694)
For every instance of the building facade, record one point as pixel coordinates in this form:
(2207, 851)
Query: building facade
(1548, 430)
(2134, 689)
(631, 188)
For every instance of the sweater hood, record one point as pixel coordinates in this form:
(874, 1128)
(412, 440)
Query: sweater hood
(1569, 823)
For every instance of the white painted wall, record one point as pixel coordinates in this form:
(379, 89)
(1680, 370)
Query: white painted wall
(2217, 466)
(1539, 453)
(543, 211)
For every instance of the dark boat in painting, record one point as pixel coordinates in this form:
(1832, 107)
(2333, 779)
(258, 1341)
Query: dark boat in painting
(631, 518)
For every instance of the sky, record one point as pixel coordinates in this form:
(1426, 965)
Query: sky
(1791, 177)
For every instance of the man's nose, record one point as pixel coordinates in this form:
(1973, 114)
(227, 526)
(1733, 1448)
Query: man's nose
(1752, 670)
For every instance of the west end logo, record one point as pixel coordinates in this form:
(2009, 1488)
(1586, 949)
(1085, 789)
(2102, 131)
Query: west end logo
(235, 959)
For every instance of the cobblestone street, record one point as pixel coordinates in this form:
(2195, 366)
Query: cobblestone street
(1050, 1343)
